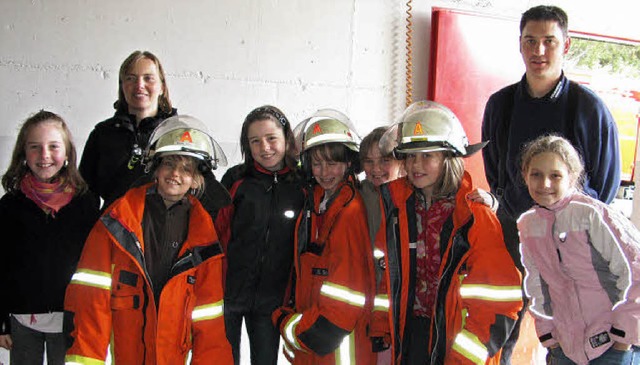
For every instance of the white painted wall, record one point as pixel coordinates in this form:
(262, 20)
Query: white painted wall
(225, 57)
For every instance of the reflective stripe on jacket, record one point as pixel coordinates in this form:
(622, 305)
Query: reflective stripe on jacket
(110, 299)
(334, 283)
(479, 293)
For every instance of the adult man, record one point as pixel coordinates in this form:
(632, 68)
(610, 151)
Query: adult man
(543, 102)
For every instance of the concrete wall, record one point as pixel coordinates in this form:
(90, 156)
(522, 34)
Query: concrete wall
(224, 58)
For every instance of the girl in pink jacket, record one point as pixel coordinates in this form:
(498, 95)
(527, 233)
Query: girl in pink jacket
(582, 262)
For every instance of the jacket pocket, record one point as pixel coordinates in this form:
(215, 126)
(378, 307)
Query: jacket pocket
(314, 272)
(125, 302)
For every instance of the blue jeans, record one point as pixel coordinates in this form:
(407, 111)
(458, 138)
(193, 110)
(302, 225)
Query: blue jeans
(612, 356)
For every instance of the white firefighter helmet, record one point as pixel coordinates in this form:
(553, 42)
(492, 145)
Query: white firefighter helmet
(187, 136)
(427, 126)
(326, 126)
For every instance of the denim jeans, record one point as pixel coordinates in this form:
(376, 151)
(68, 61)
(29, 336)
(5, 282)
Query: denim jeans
(612, 356)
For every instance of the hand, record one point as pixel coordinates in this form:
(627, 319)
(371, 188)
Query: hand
(621, 346)
(279, 315)
(6, 342)
(483, 197)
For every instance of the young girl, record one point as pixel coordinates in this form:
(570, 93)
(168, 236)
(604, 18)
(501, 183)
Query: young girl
(452, 291)
(149, 282)
(45, 217)
(333, 270)
(378, 169)
(257, 230)
(581, 262)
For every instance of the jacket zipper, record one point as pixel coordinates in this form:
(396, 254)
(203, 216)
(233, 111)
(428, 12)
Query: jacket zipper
(145, 305)
(435, 323)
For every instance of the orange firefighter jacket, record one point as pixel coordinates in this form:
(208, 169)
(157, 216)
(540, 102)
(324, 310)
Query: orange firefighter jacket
(110, 301)
(334, 283)
(479, 293)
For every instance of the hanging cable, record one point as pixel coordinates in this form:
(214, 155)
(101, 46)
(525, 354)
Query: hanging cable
(409, 65)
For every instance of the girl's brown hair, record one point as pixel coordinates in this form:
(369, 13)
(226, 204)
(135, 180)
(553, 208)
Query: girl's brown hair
(268, 112)
(449, 180)
(18, 167)
(190, 166)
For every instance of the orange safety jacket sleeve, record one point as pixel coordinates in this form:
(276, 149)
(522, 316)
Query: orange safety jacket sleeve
(209, 337)
(339, 282)
(379, 323)
(489, 289)
(87, 318)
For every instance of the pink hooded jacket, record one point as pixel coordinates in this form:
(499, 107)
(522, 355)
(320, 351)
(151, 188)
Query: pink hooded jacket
(582, 262)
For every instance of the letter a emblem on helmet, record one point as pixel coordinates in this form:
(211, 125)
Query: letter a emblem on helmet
(417, 131)
(317, 129)
(186, 137)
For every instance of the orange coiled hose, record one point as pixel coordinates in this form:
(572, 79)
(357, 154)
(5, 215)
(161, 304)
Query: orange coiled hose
(409, 65)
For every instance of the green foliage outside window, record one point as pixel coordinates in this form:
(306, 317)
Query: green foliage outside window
(615, 58)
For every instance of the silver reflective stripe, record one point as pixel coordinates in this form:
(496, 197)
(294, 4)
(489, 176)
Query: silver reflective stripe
(290, 330)
(286, 349)
(93, 278)
(343, 294)
(346, 351)
(81, 360)
(328, 137)
(491, 292)
(381, 303)
(470, 347)
(207, 311)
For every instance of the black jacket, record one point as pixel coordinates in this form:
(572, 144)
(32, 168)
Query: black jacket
(39, 253)
(258, 230)
(109, 149)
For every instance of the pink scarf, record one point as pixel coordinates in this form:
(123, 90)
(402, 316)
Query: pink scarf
(50, 197)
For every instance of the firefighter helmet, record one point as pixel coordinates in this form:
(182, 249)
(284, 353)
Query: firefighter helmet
(427, 126)
(326, 126)
(188, 136)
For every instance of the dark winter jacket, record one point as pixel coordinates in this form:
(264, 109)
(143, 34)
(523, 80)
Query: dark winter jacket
(582, 118)
(257, 231)
(40, 252)
(109, 162)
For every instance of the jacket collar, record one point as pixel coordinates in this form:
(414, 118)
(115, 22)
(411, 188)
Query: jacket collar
(261, 169)
(559, 205)
(129, 209)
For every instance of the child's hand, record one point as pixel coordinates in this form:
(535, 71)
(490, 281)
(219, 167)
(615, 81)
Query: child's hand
(5, 341)
(621, 346)
(484, 197)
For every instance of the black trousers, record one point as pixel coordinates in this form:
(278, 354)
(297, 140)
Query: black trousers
(264, 338)
(415, 349)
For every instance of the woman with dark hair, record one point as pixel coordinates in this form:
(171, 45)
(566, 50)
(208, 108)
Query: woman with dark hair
(111, 161)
